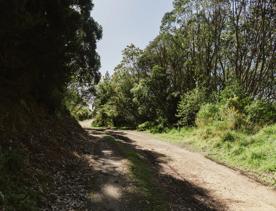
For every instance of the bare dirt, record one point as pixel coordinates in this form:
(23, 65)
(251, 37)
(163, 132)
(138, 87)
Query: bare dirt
(232, 189)
(183, 180)
(112, 188)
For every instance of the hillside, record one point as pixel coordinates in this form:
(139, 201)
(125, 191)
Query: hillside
(206, 83)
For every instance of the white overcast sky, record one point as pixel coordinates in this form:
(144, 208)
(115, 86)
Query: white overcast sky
(125, 22)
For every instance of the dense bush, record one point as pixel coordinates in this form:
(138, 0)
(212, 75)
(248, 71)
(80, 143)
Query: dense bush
(261, 112)
(104, 117)
(221, 117)
(159, 126)
(233, 119)
(189, 105)
(145, 126)
(234, 111)
(82, 114)
(233, 96)
(207, 114)
(77, 105)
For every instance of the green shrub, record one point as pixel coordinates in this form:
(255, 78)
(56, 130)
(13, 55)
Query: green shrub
(77, 105)
(228, 137)
(222, 117)
(189, 106)
(160, 125)
(145, 126)
(103, 119)
(228, 113)
(207, 114)
(82, 114)
(232, 119)
(234, 97)
(158, 129)
(261, 112)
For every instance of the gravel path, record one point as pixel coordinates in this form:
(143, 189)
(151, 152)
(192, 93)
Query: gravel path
(234, 190)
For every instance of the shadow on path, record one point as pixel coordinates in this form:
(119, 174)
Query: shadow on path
(177, 193)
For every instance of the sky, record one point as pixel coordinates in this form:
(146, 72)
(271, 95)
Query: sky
(125, 22)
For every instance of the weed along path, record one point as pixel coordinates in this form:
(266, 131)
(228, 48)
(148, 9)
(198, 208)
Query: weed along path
(134, 171)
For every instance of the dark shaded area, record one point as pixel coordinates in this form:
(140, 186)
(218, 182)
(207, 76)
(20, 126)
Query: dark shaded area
(180, 194)
(68, 168)
(41, 51)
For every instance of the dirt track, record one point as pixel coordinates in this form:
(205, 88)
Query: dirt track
(235, 191)
(151, 186)
(189, 180)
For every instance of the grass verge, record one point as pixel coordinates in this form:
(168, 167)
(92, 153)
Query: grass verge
(254, 154)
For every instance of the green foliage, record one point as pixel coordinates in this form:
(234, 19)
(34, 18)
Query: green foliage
(214, 39)
(234, 112)
(230, 111)
(129, 99)
(113, 104)
(261, 112)
(145, 126)
(204, 54)
(104, 117)
(46, 45)
(159, 126)
(233, 96)
(76, 105)
(232, 119)
(189, 105)
(250, 152)
(83, 114)
(103, 114)
(207, 114)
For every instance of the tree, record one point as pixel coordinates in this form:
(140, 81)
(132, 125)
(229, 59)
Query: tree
(46, 44)
(203, 45)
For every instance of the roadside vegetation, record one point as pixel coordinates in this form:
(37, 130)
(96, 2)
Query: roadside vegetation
(211, 69)
(48, 60)
(207, 79)
(236, 138)
(77, 104)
